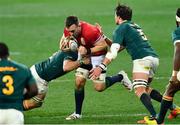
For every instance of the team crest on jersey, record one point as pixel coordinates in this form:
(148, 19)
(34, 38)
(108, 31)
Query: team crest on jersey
(83, 41)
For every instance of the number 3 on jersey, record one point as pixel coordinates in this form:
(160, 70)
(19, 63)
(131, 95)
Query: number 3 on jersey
(8, 81)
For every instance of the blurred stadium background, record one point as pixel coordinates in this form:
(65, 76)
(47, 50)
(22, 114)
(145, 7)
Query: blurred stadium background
(32, 29)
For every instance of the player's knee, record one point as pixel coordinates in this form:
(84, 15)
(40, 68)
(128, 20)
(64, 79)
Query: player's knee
(172, 88)
(139, 87)
(80, 82)
(139, 91)
(149, 90)
(32, 103)
(150, 80)
(99, 87)
(81, 72)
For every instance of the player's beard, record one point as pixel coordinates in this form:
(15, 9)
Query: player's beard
(76, 35)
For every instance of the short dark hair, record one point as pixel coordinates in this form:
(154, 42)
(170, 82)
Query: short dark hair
(70, 20)
(178, 15)
(124, 12)
(4, 51)
(178, 12)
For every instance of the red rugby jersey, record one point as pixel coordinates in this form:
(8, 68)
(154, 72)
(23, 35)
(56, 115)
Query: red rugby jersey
(90, 34)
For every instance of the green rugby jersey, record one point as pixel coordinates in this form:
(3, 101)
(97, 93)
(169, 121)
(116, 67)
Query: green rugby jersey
(176, 34)
(52, 68)
(13, 79)
(131, 36)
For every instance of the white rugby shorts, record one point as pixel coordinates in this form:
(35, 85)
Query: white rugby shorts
(41, 83)
(11, 117)
(146, 65)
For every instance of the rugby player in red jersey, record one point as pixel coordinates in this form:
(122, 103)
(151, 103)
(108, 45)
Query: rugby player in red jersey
(94, 45)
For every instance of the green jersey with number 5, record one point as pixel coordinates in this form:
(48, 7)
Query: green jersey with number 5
(13, 79)
(131, 36)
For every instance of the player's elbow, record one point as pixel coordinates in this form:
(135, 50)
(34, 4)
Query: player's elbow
(66, 68)
(33, 91)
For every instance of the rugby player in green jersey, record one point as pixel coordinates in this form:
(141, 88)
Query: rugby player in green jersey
(174, 82)
(14, 78)
(55, 66)
(145, 60)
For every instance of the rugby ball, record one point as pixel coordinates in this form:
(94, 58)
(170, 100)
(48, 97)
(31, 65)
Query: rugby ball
(73, 45)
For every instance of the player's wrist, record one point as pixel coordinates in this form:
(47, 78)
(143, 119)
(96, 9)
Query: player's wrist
(104, 36)
(102, 66)
(88, 51)
(174, 73)
(81, 62)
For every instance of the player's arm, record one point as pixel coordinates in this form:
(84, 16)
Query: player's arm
(108, 40)
(98, 46)
(112, 54)
(70, 65)
(61, 42)
(31, 90)
(31, 87)
(109, 43)
(176, 60)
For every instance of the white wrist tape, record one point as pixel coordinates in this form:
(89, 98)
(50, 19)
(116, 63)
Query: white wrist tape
(104, 36)
(79, 56)
(102, 66)
(112, 54)
(174, 73)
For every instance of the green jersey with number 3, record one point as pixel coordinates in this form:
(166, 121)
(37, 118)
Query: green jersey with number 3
(131, 36)
(13, 79)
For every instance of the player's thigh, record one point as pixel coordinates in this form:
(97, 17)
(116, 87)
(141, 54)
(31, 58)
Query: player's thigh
(82, 74)
(141, 70)
(145, 68)
(41, 83)
(99, 83)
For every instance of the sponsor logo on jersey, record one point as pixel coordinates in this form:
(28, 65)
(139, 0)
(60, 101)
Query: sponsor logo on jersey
(3, 69)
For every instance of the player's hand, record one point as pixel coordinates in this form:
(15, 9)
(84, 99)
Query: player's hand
(99, 27)
(95, 73)
(64, 46)
(173, 79)
(86, 60)
(82, 50)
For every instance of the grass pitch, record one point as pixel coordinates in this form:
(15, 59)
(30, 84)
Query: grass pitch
(32, 29)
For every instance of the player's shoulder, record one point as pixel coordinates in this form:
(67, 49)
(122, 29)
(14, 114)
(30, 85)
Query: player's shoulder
(122, 27)
(19, 65)
(89, 31)
(87, 27)
(177, 30)
(176, 33)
